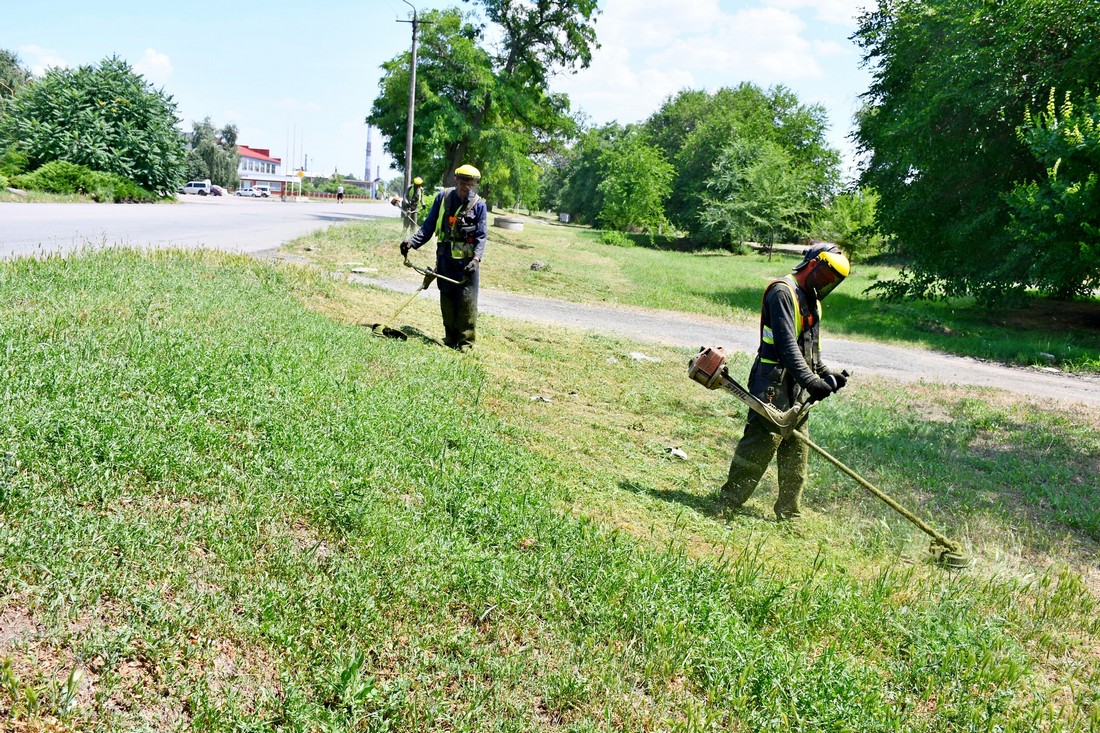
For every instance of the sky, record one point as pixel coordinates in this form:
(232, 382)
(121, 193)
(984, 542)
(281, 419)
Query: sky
(299, 78)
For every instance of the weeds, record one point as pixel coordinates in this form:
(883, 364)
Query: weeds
(236, 513)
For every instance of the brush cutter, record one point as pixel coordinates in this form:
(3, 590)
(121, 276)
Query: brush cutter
(708, 367)
(429, 276)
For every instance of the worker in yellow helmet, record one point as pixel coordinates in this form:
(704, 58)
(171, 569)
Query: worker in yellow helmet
(458, 219)
(410, 205)
(788, 367)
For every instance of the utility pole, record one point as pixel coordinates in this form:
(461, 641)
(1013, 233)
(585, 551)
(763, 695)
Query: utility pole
(412, 99)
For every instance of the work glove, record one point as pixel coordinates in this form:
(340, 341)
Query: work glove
(405, 247)
(471, 266)
(819, 389)
(836, 380)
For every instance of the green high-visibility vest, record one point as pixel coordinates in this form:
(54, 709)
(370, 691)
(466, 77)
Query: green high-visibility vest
(766, 334)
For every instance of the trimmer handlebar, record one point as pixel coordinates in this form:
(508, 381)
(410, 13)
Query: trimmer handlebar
(429, 272)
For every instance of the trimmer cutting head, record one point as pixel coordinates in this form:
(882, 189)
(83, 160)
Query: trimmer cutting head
(949, 557)
(381, 329)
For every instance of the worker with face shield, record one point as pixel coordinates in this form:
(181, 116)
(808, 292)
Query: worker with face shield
(787, 370)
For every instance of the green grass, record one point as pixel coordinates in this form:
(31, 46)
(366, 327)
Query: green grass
(229, 508)
(728, 286)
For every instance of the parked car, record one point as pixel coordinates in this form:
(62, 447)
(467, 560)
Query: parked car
(202, 188)
(248, 192)
(263, 188)
(217, 191)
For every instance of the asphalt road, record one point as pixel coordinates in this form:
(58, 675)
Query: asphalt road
(860, 357)
(248, 225)
(229, 223)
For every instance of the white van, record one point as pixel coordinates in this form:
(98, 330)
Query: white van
(263, 188)
(202, 188)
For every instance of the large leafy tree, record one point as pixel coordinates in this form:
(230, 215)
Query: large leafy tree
(951, 80)
(755, 193)
(693, 128)
(1055, 221)
(492, 107)
(213, 154)
(104, 117)
(12, 74)
(571, 182)
(635, 184)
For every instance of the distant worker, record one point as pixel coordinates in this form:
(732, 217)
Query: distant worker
(787, 367)
(459, 220)
(340, 194)
(410, 205)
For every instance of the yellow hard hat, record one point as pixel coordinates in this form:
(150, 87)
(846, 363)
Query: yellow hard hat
(418, 180)
(468, 171)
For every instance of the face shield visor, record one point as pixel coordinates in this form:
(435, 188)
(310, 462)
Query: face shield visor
(824, 278)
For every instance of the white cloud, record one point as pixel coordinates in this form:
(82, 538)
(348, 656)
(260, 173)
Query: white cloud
(612, 90)
(37, 59)
(155, 66)
(838, 12)
(760, 44)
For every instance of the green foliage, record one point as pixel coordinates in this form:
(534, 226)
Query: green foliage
(4, 182)
(615, 238)
(635, 183)
(849, 221)
(694, 128)
(571, 183)
(1056, 221)
(12, 75)
(104, 117)
(63, 177)
(755, 193)
(213, 154)
(491, 109)
(951, 80)
(12, 160)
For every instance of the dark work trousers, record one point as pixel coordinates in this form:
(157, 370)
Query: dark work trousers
(458, 303)
(760, 443)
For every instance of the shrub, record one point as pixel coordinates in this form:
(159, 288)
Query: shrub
(62, 177)
(4, 182)
(617, 239)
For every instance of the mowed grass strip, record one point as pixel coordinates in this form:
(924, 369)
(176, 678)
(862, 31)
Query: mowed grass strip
(221, 510)
(576, 266)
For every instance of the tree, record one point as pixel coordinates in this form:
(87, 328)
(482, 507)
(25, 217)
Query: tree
(491, 109)
(693, 128)
(12, 74)
(213, 154)
(849, 221)
(104, 117)
(636, 182)
(571, 182)
(1055, 221)
(754, 193)
(951, 80)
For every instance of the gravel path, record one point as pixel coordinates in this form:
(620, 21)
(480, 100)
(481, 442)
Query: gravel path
(677, 329)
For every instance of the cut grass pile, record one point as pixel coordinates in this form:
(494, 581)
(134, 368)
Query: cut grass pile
(223, 511)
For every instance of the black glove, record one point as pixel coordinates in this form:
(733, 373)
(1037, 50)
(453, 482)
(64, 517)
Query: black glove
(405, 247)
(471, 266)
(819, 389)
(836, 380)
